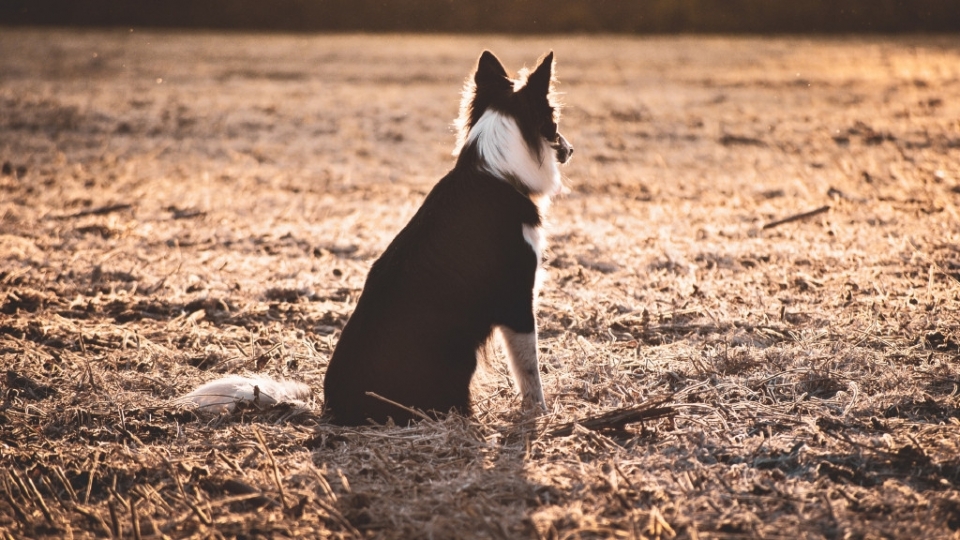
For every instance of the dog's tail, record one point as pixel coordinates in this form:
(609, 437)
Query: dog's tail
(222, 395)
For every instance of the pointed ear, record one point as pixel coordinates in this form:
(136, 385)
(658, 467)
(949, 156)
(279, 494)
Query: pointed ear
(491, 76)
(539, 81)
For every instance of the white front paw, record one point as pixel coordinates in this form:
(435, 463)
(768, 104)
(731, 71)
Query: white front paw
(533, 402)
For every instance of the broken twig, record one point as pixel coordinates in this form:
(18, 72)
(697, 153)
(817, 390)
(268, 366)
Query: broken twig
(395, 404)
(98, 211)
(796, 217)
(616, 420)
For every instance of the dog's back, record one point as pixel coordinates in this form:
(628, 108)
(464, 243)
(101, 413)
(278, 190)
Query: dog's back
(455, 271)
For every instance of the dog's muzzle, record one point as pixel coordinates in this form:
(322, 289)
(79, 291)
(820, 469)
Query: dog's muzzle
(563, 148)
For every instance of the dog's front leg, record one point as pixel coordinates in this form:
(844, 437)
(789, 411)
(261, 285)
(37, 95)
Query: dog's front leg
(522, 356)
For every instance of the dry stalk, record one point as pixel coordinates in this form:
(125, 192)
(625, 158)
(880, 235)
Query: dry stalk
(186, 499)
(40, 502)
(135, 518)
(18, 512)
(92, 473)
(273, 466)
(415, 412)
(344, 522)
(66, 483)
(116, 530)
(95, 517)
(324, 484)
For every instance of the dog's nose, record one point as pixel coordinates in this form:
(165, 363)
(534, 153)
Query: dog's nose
(564, 150)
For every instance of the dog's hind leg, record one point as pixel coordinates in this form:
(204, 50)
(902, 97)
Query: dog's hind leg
(522, 355)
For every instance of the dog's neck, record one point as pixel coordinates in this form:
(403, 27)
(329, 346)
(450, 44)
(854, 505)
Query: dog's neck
(504, 153)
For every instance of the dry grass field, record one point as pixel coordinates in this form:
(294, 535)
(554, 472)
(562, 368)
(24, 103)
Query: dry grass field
(175, 206)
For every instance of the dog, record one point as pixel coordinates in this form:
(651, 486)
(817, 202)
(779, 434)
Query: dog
(465, 266)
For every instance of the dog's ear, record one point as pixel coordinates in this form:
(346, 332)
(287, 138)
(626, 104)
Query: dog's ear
(539, 81)
(491, 78)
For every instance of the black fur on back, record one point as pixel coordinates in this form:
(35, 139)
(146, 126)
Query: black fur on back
(457, 269)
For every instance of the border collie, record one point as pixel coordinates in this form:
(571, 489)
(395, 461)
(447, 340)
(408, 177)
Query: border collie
(465, 265)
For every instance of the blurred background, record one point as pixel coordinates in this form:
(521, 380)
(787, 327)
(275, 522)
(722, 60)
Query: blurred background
(507, 16)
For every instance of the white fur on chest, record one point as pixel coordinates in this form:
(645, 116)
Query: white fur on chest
(504, 153)
(534, 237)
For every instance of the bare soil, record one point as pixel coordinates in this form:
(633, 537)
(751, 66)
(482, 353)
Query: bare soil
(176, 206)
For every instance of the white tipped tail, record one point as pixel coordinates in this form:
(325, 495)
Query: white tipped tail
(222, 395)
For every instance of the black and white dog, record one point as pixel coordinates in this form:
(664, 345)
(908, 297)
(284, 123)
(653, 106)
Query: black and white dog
(464, 266)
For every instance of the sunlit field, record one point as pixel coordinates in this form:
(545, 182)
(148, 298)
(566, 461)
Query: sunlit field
(765, 232)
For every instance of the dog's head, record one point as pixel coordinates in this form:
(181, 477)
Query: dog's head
(499, 113)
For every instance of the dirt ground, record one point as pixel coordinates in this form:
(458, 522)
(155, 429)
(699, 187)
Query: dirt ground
(175, 206)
